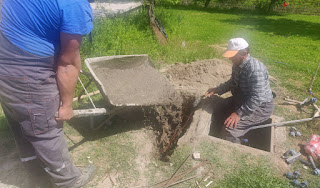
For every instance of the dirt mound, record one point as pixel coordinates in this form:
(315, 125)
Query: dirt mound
(191, 80)
(197, 77)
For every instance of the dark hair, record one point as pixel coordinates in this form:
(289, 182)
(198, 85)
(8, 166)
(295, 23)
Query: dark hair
(241, 52)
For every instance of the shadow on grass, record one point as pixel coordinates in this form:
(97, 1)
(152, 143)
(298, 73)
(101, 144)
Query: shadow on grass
(6, 139)
(282, 27)
(82, 125)
(12, 172)
(130, 119)
(233, 10)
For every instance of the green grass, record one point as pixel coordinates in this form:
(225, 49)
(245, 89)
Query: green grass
(233, 168)
(223, 167)
(253, 177)
(227, 167)
(132, 35)
(290, 39)
(287, 38)
(110, 148)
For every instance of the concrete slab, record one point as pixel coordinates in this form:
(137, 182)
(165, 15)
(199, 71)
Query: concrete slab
(278, 137)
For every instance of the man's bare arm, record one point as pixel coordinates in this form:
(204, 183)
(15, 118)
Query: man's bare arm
(69, 65)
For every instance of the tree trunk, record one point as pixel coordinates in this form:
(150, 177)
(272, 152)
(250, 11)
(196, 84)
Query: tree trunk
(271, 5)
(162, 39)
(207, 3)
(151, 11)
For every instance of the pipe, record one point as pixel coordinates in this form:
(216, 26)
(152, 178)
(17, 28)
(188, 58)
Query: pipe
(282, 123)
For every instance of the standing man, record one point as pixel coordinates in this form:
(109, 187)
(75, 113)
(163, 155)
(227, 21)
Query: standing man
(39, 66)
(252, 100)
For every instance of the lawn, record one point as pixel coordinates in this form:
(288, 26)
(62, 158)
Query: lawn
(288, 44)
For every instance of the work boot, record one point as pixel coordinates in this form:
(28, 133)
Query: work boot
(233, 139)
(228, 136)
(87, 174)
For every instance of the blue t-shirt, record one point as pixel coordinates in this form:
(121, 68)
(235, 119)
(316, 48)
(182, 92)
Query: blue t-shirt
(35, 25)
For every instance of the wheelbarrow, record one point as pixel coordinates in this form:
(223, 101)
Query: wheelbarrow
(124, 81)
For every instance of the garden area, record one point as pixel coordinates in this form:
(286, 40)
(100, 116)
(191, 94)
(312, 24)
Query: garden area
(285, 39)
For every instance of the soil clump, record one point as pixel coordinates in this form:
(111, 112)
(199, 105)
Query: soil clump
(197, 77)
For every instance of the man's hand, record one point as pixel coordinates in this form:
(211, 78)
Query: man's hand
(210, 92)
(232, 121)
(64, 113)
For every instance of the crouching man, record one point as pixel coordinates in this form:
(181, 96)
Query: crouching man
(252, 100)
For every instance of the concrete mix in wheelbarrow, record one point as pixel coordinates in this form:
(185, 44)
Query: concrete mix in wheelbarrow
(133, 81)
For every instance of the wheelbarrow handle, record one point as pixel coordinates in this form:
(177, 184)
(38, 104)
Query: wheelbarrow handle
(90, 112)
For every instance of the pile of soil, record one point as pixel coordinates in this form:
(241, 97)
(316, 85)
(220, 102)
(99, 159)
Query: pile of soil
(197, 77)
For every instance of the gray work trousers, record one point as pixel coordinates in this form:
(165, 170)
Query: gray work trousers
(230, 105)
(30, 98)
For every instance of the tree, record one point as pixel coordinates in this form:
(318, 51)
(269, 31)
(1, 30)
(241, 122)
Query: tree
(152, 19)
(155, 24)
(206, 3)
(272, 4)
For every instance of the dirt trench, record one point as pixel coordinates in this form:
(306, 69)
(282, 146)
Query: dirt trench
(191, 81)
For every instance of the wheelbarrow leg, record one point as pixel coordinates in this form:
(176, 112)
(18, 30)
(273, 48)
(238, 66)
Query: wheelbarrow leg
(91, 122)
(101, 124)
(82, 91)
(112, 114)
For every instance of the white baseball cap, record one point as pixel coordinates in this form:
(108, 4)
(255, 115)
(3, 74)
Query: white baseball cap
(234, 46)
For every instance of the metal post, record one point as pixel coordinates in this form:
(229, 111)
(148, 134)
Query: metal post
(86, 92)
(281, 123)
(314, 77)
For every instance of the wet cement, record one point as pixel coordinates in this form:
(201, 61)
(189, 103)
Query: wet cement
(133, 81)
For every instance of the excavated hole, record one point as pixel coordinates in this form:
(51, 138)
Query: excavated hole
(170, 122)
(174, 119)
(198, 77)
(258, 138)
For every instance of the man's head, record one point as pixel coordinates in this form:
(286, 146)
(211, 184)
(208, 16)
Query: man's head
(237, 50)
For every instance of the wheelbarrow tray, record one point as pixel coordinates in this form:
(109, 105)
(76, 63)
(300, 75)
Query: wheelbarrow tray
(130, 80)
